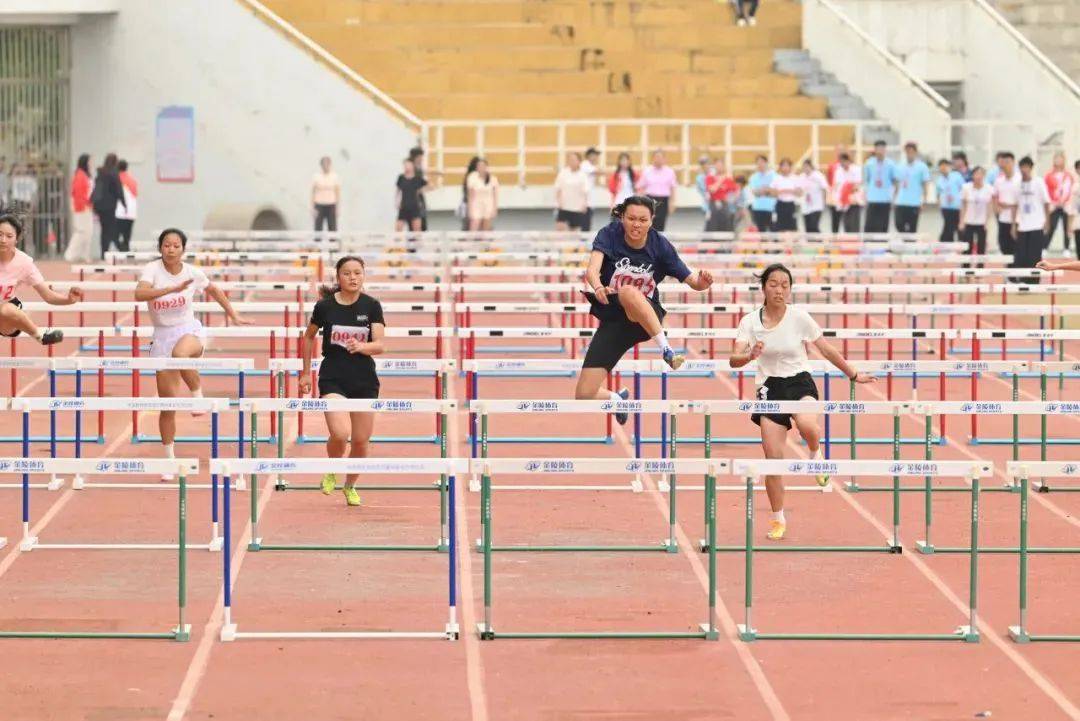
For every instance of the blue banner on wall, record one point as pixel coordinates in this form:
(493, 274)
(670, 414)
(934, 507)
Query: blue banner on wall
(175, 144)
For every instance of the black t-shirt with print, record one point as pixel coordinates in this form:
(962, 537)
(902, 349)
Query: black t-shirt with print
(339, 323)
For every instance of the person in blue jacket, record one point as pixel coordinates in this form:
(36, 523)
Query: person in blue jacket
(950, 185)
(912, 177)
(879, 180)
(628, 261)
(764, 203)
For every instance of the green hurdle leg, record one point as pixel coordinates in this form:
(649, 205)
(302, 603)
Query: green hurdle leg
(183, 630)
(926, 545)
(896, 485)
(970, 632)
(670, 543)
(746, 628)
(486, 630)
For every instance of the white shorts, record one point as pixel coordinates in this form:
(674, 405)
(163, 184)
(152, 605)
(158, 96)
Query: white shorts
(166, 338)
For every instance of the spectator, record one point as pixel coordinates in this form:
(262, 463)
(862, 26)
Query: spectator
(847, 192)
(786, 188)
(1060, 183)
(976, 199)
(592, 171)
(746, 10)
(999, 162)
(960, 165)
(835, 215)
(1076, 209)
(463, 209)
(880, 179)
(325, 196)
(5, 185)
(572, 195)
(82, 224)
(417, 156)
(814, 188)
(724, 195)
(742, 200)
(483, 196)
(1029, 223)
(1006, 196)
(659, 183)
(622, 181)
(701, 182)
(950, 185)
(913, 175)
(106, 194)
(127, 211)
(410, 191)
(764, 204)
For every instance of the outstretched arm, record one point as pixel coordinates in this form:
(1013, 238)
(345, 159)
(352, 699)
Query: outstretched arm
(701, 280)
(50, 296)
(223, 300)
(833, 356)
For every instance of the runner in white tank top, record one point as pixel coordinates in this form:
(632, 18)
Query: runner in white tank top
(168, 286)
(17, 270)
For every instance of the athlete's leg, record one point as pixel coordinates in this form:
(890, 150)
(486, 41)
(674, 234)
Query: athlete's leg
(362, 425)
(773, 440)
(13, 318)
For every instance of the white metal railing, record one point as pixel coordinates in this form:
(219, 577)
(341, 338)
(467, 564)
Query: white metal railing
(320, 53)
(515, 160)
(1048, 65)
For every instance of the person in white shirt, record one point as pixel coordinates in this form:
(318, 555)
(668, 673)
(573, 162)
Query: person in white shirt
(325, 196)
(975, 200)
(572, 195)
(168, 286)
(592, 170)
(787, 189)
(775, 335)
(1031, 219)
(1006, 196)
(814, 189)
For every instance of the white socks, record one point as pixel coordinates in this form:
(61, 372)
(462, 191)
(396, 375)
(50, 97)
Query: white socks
(170, 449)
(615, 396)
(661, 340)
(197, 393)
(779, 516)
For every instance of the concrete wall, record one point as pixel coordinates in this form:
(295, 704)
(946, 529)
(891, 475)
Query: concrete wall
(265, 111)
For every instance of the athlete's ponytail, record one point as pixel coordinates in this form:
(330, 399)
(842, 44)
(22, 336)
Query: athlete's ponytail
(326, 291)
(643, 200)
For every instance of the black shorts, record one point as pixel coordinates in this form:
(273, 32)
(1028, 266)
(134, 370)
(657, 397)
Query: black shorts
(576, 221)
(408, 215)
(795, 388)
(616, 335)
(347, 389)
(18, 304)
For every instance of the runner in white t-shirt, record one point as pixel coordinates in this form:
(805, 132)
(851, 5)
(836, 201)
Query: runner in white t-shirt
(976, 198)
(787, 188)
(1031, 220)
(815, 187)
(776, 336)
(1006, 192)
(168, 286)
(17, 269)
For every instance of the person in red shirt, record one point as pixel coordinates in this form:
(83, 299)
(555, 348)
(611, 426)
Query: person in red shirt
(125, 213)
(722, 195)
(1060, 183)
(82, 225)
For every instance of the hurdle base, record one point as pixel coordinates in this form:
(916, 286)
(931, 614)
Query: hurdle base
(305, 439)
(254, 545)
(925, 547)
(214, 545)
(963, 633)
(182, 633)
(55, 484)
(3, 541)
(1019, 634)
(711, 632)
(228, 632)
(746, 633)
(669, 545)
(202, 439)
(661, 547)
(453, 631)
(28, 543)
(890, 549)
(488, 634)
(600, 440)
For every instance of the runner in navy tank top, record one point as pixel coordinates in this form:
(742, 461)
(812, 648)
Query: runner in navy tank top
(629, 260)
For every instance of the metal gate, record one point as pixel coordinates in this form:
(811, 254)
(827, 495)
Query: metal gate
(35, 92)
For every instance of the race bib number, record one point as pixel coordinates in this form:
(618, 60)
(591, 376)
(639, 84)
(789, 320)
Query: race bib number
(638, 276)
(169, 304)
(340, 335)
(1028, 209)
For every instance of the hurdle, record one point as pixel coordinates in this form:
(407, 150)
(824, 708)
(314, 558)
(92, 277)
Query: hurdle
(1021, 472)
(26, 406)
(753, 470)
(94, 466)
(445, 467)
(281, 369)
(487, 467)
(279, 406)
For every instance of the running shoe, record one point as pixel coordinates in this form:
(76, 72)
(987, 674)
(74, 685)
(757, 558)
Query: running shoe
(622, 418)
(822, 478)
(673, 359)
(329, 481)
(777, 529)
(352, 498)
(52, 336)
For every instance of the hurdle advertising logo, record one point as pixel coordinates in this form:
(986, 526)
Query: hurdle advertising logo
(57, 404)
(28, 465)
(5, 466)
(549, 466)
(1069, 469)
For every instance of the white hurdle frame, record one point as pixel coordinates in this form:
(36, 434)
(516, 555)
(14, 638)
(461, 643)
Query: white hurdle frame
(451, 467)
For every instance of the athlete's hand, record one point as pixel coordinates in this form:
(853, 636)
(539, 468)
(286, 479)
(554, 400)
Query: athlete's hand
(601, 294)
(75, 295)
(239, 320)
(179, 287)
(705, 279)
(863, 378)
(354, 346)
(755, 351)
(305, 383)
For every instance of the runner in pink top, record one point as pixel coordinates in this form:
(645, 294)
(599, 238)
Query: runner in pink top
(18, 269)
(1060, 183)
